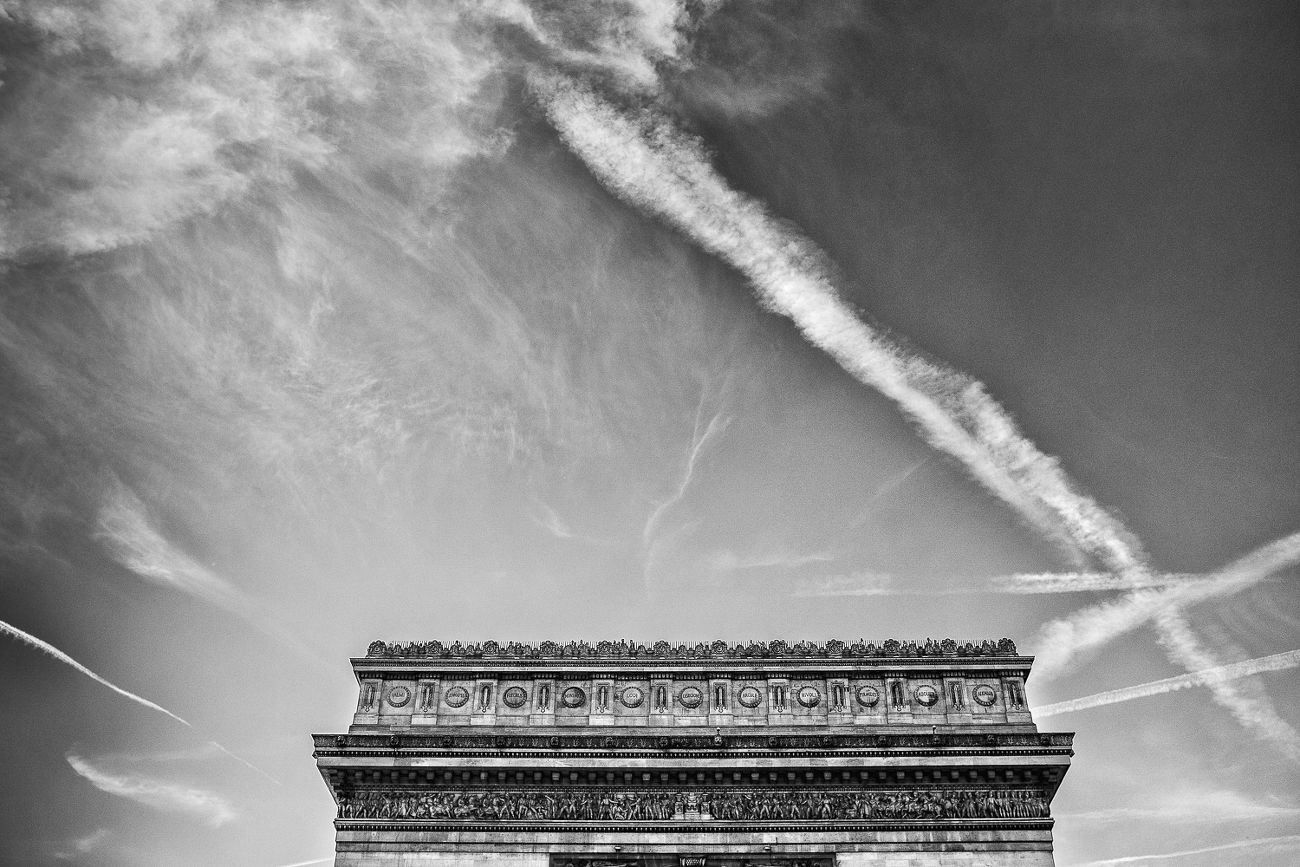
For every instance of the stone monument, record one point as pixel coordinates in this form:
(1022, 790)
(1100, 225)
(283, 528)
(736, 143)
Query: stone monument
(899, 754)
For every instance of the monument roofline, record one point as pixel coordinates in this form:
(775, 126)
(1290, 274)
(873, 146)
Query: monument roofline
(703, 652)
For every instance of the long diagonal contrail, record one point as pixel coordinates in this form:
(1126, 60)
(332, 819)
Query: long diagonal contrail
(646, 161)
(1232, 671)
(51, 650)
(1289, 841)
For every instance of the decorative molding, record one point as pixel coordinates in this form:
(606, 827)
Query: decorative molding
(833, 649)
(617, 805)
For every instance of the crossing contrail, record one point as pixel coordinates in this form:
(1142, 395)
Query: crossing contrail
(1232, 671)
(1062, 641)
(53, 651)
(643, 159)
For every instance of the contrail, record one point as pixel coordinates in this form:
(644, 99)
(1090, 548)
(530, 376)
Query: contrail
(1062, 641)
(246, 763)
(1084, 582)
(1232, 671)
(644, 160)
(1278, 842)
(307, 863)
(1022, 584)
(53, 651)
(653, 166)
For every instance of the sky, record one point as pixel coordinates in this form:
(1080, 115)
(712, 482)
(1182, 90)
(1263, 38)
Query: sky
(322, 322)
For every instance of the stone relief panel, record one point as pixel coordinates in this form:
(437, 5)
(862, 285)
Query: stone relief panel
(694, 805)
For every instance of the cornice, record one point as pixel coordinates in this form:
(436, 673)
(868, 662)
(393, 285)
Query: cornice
(714, 651)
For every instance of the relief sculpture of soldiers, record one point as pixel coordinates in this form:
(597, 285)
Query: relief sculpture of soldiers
(716, 805)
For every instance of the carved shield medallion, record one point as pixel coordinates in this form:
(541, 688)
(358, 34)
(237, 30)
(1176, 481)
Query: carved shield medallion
(868, 696)
(809, 696)
(690, 697)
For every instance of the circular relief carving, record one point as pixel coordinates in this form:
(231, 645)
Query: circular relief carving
(515, 696)
(690, 697)
(573, 697)
(809, 696)
(456, 696)
(926, 696)
(868, 696)
(631, 696)
(985, 694)
(750, 697)
(398, 696)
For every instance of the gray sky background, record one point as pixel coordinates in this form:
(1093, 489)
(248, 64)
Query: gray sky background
(315, 330)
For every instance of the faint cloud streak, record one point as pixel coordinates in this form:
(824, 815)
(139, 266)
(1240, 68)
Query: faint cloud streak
(207, 807)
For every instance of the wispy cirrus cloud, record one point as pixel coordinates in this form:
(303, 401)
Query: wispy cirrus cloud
(195, 802)
(164, 111)
(855, 584)
(703, 434)
(774, 558)
(125, 528)
(74, 849)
